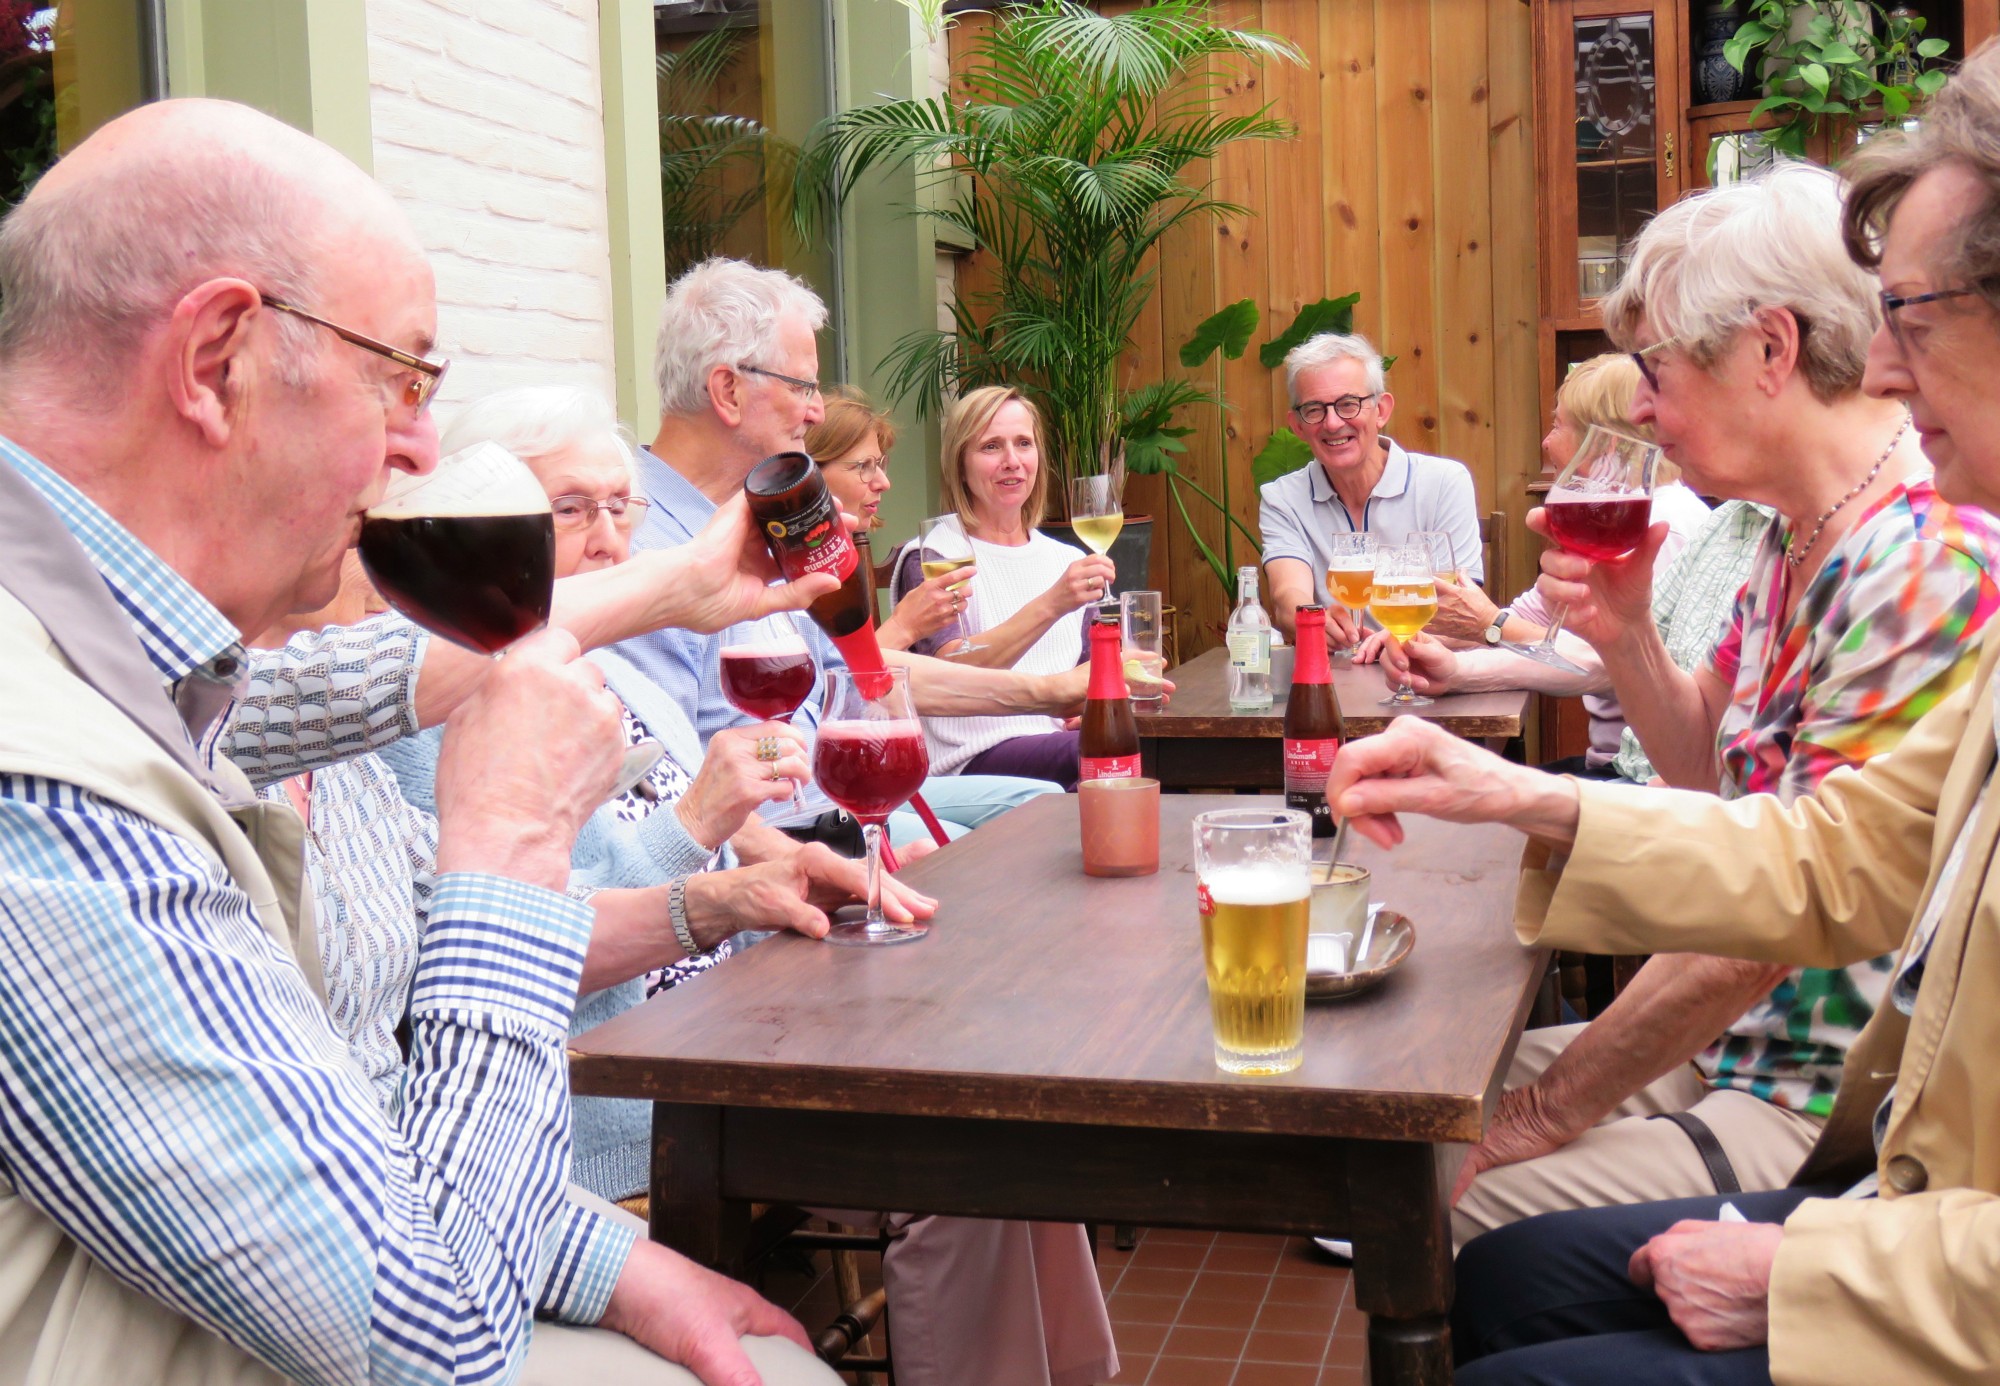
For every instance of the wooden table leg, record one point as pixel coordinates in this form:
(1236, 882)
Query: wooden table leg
(1402, 1260)
(689, 1213)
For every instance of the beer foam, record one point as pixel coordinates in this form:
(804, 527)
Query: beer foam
(484, 480)
(1259, 883)
(870, 731)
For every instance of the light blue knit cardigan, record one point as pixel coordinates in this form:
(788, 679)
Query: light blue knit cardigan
(613, 1137)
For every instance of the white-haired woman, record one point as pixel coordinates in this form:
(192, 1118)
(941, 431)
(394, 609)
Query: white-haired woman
(1750, 325)
(961, 1290)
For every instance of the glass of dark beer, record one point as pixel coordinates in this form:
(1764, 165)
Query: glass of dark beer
(468, 552)
(1600, 506)
(869, 758)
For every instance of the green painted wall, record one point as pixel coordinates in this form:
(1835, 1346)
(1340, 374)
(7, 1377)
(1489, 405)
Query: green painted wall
(303, 61)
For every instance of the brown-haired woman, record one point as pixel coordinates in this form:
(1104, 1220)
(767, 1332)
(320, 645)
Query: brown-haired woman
(852, 445)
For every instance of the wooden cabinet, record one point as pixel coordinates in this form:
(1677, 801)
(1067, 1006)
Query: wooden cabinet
(1620, 135)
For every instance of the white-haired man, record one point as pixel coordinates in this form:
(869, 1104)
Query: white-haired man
(212, 356)
(1358, 480)
(738, 369)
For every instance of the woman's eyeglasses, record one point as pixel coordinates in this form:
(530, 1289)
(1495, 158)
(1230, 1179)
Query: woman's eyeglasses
(580, 512)
(867, 468)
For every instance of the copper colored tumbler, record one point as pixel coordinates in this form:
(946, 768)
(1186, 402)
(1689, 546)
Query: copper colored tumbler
(1121, 826)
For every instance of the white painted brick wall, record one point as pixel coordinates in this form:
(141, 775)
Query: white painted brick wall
(489, 130)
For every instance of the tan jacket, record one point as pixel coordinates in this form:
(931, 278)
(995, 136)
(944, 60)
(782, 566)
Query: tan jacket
(1907, 1287)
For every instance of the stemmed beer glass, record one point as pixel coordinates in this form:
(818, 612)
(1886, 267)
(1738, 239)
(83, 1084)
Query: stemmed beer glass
(1404, 599)
(467, 550)
(1097, 514)
(767, 672)
(943, 548)
(1350, 574)
(1600, 507)
(869, 758)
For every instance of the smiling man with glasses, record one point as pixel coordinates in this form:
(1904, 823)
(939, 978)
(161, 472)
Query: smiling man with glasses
(1358, 480)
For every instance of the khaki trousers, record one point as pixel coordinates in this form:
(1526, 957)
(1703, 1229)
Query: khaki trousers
(559, 1355)
(1627, 1158)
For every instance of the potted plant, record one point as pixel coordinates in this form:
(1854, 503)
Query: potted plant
(1823, 59)
(1065, 160)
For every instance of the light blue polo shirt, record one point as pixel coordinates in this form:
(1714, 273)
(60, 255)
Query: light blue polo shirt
(1301, 513)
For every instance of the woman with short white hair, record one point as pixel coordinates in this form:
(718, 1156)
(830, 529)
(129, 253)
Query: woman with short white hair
(1750, 326)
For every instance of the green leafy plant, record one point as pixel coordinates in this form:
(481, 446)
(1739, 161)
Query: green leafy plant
(714, 167)
(1835, 64)
(1066, 161)
(1155, 442)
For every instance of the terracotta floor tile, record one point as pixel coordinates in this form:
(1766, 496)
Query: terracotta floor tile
(1190, 1371)
(1276, 1374)
(1184, 1235)
(1139, 1339)
(1131, 1371)
(1247, 1239)
(1347, 1350)
(1174, 1255)
(1298, 1318)
(1230, 1285)
(1107, 1277)
(1255, 1260)
(1303, 1348)
(1342, 1376)
(1201, 1311)
(1311, 1264)
(1296, 1289)
(1130, 1308)
(1157, 1280)
(1205, 1342)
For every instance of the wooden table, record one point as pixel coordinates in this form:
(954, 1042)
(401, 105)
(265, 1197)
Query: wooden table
(1046, 1053)
(1197, 742)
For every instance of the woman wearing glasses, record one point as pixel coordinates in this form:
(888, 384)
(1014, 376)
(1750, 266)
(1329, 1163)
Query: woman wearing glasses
(852, 446)
(1751, 327)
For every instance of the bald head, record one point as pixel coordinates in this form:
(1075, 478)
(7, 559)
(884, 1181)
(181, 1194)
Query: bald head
(168, 197)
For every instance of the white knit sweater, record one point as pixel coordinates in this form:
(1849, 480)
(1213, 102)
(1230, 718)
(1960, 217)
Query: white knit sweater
(1010, 576)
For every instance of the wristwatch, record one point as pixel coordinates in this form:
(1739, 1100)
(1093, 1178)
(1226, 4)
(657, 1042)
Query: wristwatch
(677, 915)
(1499, 620)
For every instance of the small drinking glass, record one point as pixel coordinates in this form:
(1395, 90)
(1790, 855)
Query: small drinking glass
(1600, 507)
(1403, 600)
(869, 758)
(1254, 890)
(943, 548)
(1142, 622)
(1350, 574)
(1119, 823)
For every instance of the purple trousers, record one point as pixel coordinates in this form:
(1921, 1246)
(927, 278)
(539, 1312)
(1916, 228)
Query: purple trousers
(1047, 756)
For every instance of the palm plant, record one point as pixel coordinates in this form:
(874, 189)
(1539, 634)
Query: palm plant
(1067, 162)
(714, 167)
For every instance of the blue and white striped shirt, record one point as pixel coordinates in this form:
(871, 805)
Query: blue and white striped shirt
(177, 1101)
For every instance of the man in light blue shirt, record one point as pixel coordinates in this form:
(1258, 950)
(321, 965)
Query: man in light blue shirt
(1357, 481)
(738, 367)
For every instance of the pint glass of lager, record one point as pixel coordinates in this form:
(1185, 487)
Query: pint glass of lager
(1254, 891)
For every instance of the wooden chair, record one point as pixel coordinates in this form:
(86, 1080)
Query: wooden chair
(1493, 552)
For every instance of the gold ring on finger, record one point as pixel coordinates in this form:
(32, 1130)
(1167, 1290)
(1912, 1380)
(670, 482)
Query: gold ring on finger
(768, 749)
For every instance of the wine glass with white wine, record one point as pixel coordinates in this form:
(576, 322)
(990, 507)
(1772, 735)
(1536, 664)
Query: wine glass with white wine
(1097, 514)
(942, 548)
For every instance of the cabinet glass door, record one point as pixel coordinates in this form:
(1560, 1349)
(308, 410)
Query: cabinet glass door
(1615, 62)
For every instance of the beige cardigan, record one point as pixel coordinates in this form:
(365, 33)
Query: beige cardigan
(1905, 1287)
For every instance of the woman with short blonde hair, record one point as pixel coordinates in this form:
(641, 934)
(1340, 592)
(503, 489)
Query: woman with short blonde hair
(1026, 604)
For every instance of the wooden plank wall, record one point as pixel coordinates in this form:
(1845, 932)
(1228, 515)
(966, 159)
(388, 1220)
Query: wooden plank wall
(1411, 179)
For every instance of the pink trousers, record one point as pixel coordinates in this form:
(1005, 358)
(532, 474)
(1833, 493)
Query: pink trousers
(977, 1302)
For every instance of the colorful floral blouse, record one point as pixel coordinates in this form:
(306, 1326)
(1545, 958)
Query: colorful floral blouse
(1886, 631)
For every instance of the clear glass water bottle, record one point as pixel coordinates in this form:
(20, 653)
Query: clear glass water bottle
(1249, 641)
